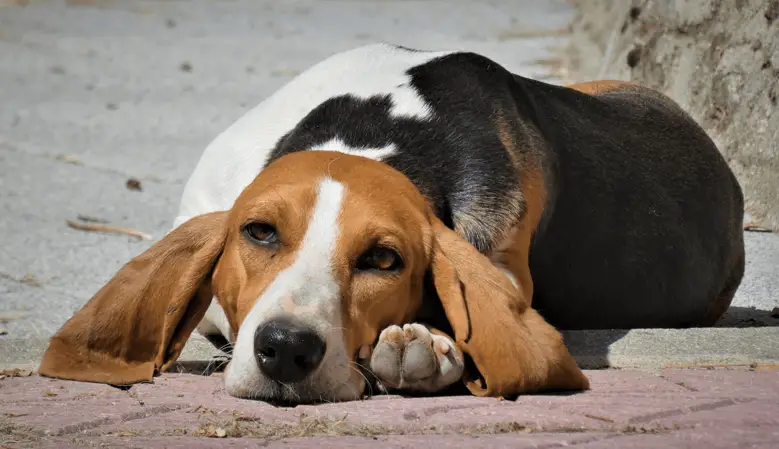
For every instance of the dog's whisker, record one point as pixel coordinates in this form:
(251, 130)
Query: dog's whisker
(291, 391)
(224, 347)
(365, 368)
(358, 369)
(208, 366)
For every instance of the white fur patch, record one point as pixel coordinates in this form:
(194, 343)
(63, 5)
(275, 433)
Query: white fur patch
(238, 154)
(308, 290)
(338, 145)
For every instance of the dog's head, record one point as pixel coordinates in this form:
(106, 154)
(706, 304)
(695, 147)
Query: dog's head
(319, 254)
(322, 252)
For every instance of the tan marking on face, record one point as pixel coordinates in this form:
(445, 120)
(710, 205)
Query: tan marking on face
(600, 86)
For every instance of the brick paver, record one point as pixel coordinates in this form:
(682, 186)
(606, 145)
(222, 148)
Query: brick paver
(706, 408)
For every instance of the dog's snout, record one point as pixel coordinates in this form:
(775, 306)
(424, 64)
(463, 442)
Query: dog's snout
(287, 351)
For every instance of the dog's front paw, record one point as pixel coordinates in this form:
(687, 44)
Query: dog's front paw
(412, 358)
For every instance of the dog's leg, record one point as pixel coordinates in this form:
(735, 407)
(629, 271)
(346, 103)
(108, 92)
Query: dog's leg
(416, 358)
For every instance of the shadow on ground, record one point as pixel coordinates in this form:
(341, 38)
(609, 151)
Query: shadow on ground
(748, 317)
(595, 349)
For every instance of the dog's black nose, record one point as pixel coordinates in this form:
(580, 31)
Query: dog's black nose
(287, 351)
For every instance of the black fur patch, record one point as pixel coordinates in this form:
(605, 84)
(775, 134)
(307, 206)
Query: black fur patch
(455, 157)
(645, 226)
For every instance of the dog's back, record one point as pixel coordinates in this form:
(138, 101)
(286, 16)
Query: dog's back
(644, 224)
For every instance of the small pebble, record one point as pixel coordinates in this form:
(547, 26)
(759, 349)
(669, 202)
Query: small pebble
(634, 56)
(134, 184)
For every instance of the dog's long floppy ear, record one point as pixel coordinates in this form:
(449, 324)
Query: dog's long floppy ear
(137, 324)
(513, 349)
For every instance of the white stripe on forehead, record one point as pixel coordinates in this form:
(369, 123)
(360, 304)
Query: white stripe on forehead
(309, 281)
(313, 264)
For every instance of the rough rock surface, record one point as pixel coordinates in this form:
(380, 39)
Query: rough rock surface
(718, 58)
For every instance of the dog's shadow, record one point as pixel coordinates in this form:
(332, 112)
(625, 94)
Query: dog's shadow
(592, 349)
(743, 317)
(213, 366)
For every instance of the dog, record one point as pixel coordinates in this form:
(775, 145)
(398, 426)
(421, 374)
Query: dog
(428, 218)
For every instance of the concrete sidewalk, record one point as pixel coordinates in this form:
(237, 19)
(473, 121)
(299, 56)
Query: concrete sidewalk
(718, 408)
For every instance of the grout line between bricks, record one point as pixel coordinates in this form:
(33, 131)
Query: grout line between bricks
(681, 411)
(127, 417)
(623, 435)
(594, 439)
(428, 412)
(679, 383)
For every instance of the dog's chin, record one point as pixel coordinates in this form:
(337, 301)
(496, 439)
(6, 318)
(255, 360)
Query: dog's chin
(326, 385)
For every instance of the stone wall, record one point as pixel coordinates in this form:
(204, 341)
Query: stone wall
(718, 58)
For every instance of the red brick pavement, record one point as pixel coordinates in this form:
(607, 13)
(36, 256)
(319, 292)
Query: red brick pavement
(715, 408)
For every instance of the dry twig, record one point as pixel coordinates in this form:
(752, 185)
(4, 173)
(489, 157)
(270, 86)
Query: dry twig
(751, 227)
(96, 227)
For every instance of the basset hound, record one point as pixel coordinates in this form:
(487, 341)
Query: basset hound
(428, 218)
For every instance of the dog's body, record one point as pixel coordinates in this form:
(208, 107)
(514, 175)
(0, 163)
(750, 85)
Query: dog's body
(474, 195)
(641, 216)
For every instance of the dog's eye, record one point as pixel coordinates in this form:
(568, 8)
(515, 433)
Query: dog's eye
(261, 233)
(380, 258)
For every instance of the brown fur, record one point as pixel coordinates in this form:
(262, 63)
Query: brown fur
(513, 251)
(526, 354)
(601, 86)
(139, 322)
